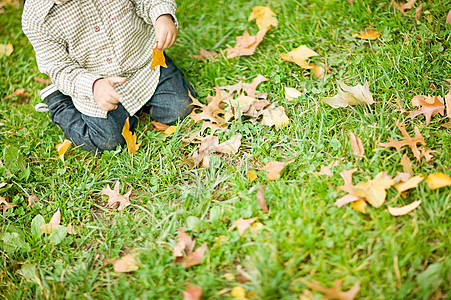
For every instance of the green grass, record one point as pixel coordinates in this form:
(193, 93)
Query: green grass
(304, 236)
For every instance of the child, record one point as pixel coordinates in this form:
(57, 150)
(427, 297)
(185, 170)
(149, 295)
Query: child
(98, 55)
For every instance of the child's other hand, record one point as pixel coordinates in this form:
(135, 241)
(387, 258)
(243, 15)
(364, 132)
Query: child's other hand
(105, 95)
(165, 32)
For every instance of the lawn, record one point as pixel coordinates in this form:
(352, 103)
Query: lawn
(304, 237)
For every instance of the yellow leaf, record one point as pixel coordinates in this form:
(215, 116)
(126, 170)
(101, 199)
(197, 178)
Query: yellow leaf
(276, 117)
(410, 184)
(299, 55)
(158, 58)
(170, 130)
(6, 49)
(359, 205)
(369, 34)
(439, 180)
(130, 138)
(374, 190)
(265, 17)
(62, 148)
(400, 211)
(238, 292)
(251, 175)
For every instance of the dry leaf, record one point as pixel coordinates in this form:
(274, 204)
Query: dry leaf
(357, 145)
(349, 198)
(418, 12)
(428, 109)
(170, 130)
(319, 71)
(238, 292)
(374, 190)
(307, 294)
(183, 251)
(204, 54)
(359, 205)
(230, 146)
(448, 18)
(125, 264)
(292, 93)
(261, 199)
(438, 180)
(211, 111)
(275, 116)
(401, 177)
(130, 138)
(6, 49)
(192, 293)
(335, 291)
(32, 200)
(347, 177)
(158, 58)
(348, 95)
(273, 169)
(71, 229)
(400, 211)
(369, 34)
(116, 198)
(246, 44)
(242, 224)
(252, 176)
(53, 224)
(409, 184)
(159, 126)
(265, 17)
(62, 148)
(249, 88)
(42, 80)
(406, 164)
(299, 55)
(448, 104)
(407, 141)
(4, 205)
(402, 7)
(19, 93)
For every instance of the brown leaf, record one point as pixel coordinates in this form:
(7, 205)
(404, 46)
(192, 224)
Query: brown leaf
(249, 88)
(418, 12)
(402, 7)
(347, 95)
(4, 205)
(71, 229)
(275, 117)
(116, 198)
(428, 109)
(273, 169)
(400, 211)
(53, 224)
(242, 224)
(32, 200)
(406, 164)
(369, 34)
(192, 293)
(349, 198)
(19, 93)
(438, 180)
(42, 80)
(347, 177)
(159, 126)
(335, 291)
(130, 138)
(158, 58)
(211, 111)
(448, 18)
(62, 148)
(246, 44)
(357, 145)
(407, 141)
(399, 106)
(299, 56)
(183, 251)
(230, 146)
(319, 70)
(448, 104)
(205, 54)
(261, 199)
(125, 264)
(265, 17)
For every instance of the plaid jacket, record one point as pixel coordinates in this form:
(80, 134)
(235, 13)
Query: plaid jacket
(79, 41)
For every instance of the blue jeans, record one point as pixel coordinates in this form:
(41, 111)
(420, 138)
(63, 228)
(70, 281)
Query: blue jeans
(169, 103)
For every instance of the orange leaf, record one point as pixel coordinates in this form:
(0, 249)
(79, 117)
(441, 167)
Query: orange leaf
(192, 293)
(159, 126)
(261, 199)
(130, 138)
(357, 145)
(125, 264)
(251, 175)
(246, 44)
(204, 54)
(369, 34)
(62, 148)
(428, 109)
(242, 224)
(116, 198)
(335, 291)
(404, 6)
(418, 12)
(273, 170)
(438, 180)
(265, 17)
(42, 80)
(183, 251)
(400, 211)
(158, 58)
(19, 93)
(359, 205)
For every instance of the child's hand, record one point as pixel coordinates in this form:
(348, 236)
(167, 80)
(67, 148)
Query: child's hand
(165, 32)
(105, 95)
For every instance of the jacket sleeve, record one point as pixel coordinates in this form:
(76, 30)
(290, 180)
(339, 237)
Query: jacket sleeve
(53, 59)
(150, 10)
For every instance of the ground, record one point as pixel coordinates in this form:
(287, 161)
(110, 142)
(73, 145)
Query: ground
(304, 237)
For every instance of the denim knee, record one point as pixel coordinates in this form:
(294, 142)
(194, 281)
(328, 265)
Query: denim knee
(169, 115)
(108, 143)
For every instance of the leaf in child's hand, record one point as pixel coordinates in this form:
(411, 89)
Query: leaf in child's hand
(116, 198)
(62, 148)
(265, 17)
(130, 138)
(158, 58)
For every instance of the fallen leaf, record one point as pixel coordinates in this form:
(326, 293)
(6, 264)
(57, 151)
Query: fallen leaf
(6, 49)
(369, 34)
(448, 104)
(401, 177)
(356, 145)
(347, 95)
(418, 12)
(307, 294)
(170, 130)
(407, 164)
(273, 169)
(402, 7)
(410, 184)
(252, 176)
(71, 229)
(42, 80)
(359, 205)
(299, 55)
(230, 146)
(246, 44)
(125, 264)
(116, 198)
(264, 16)
(347, 177)
(319, 70)
(19, 93)
(242, 224)
(447, 125)
(349, 198)
(51, 226)
(448, 18)
(399, 106)
(335, 291)
(407, 141)
(373, 191)
(130, 138)
(327, 170)
(400, 211)
(249, 88)
(205, 54)
(159, 126)
(292, 93)
(32, 200)
(211, 111)
(275, 117)
(438, 180)
(238, 292)
(428, 109)
(158, 58)
(62, 148)
(192, 293)
(5, 205)
(261, 199)
(183, 251)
